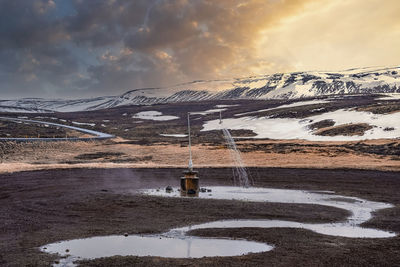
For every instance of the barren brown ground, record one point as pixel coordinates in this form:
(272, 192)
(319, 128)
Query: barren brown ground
(255, 153)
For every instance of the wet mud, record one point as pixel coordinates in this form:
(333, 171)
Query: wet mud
(42, 207)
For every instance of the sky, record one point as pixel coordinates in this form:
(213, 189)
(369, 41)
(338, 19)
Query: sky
(87, 48)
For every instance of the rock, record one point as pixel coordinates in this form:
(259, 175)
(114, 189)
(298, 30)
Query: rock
(203, 190)
(191, 192)
(168, 189)
(67, 250)
(125, 234)
(208, 190)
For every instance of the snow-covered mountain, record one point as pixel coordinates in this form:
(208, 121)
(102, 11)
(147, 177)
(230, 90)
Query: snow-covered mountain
(276, 86)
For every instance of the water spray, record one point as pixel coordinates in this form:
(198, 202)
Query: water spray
(240, 176)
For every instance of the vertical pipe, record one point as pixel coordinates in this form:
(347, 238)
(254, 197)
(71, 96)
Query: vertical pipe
(190, 144)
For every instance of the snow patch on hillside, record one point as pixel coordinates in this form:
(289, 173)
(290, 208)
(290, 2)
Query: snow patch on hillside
(225, 106)
(12, 109)
(153, 115)
(295, 104)
(84, 123)
(210, 111)
(390, 97)
(174, 135)
(291, 128)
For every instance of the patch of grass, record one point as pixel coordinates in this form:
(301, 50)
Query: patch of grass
(346, 130)
(382, 108)
(136, 159)
(99, 155)
(321, 124)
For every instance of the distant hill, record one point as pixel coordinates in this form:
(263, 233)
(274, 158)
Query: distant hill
(276, 86)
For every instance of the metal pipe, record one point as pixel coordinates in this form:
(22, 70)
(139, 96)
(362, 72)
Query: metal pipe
(190, 144)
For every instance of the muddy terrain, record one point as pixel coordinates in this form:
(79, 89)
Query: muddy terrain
(41, 207)
(54, 191)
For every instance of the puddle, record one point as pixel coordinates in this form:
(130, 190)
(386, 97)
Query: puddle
(177, 243)
(155, 245)
(360, 209)
(335, 229)
(167, 245)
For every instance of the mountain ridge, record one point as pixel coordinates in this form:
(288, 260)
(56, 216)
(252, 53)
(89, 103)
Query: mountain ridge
(294, 85)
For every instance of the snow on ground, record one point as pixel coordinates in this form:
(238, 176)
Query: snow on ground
(291, 128)
(295, 104)
(174, 135)
(303, 103)
(226, 106)
(84, 123)
(37, 105)
(393, 96)
(153, 115)
(21, 110)
(253, 82)
(210, 111)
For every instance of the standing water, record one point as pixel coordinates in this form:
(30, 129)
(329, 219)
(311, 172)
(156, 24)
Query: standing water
(179, 243)
(240, 177)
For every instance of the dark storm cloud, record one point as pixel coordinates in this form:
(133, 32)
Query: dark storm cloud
(109, 46)
(24, 24)
(95, 47)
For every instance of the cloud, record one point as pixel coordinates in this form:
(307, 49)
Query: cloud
(104, 47)
(334, 35)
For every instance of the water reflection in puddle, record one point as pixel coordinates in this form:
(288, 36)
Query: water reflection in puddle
(157, 245)
(166, 245)
(176, 243)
